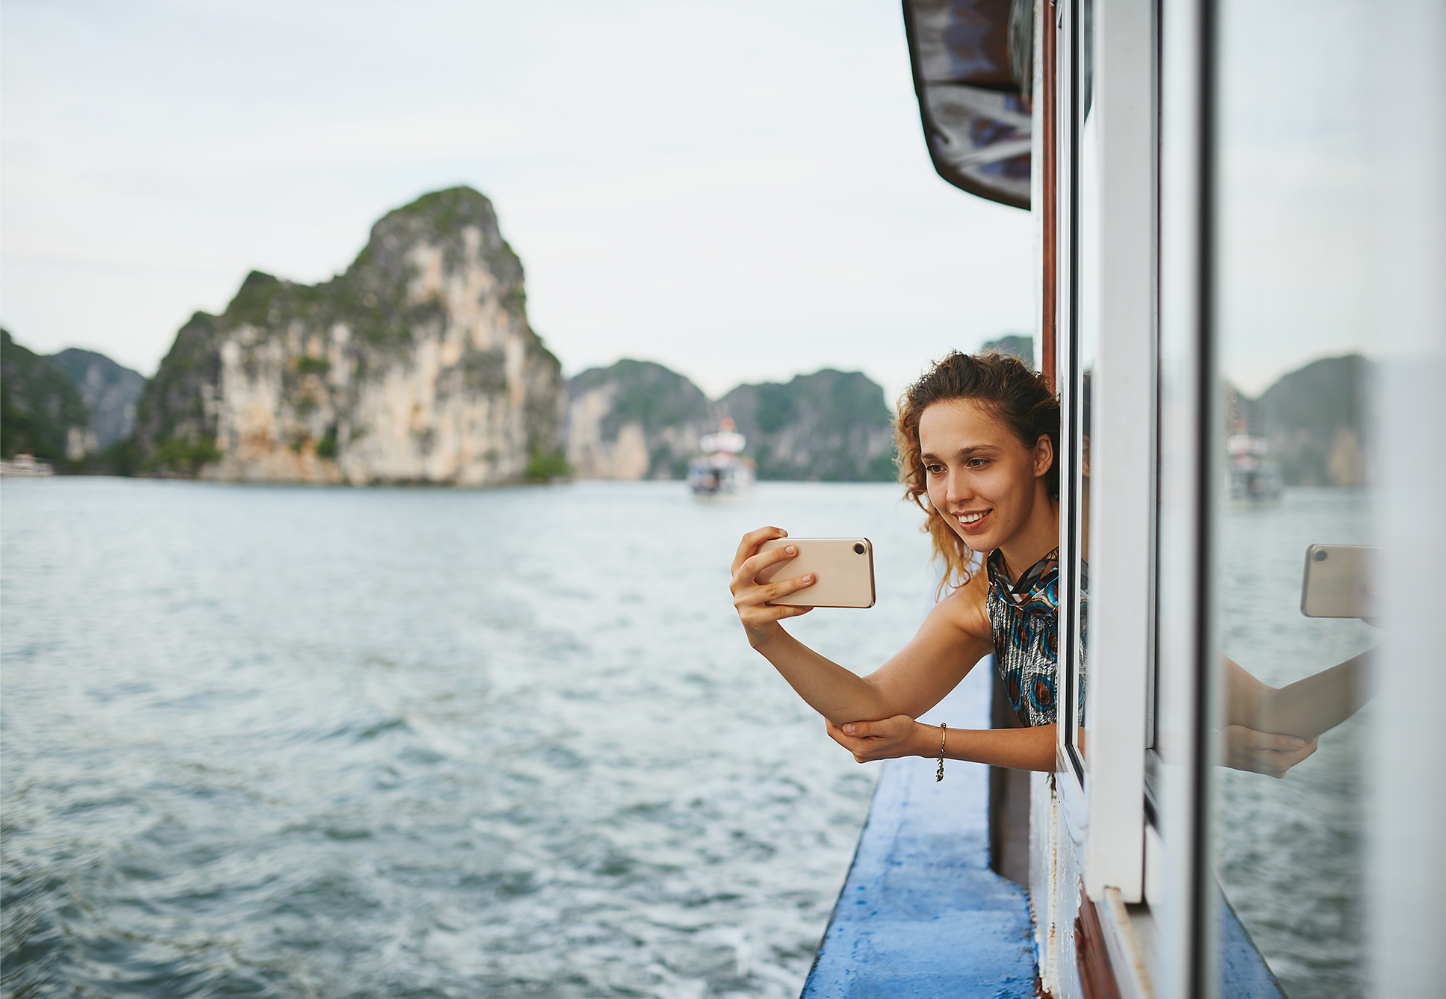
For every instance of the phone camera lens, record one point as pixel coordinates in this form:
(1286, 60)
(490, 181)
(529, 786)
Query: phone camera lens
(859, 549)
(1321, 556)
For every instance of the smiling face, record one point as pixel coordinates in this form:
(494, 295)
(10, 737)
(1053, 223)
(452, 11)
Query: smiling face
(987, 485)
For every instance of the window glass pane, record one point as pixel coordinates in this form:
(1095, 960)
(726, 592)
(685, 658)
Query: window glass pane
(1295, 400)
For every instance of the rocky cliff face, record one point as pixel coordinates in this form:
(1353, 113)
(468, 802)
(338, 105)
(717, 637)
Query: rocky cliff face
(416, 365)
(634, 420)
(41, 412)
(831, 426)
(110, 391)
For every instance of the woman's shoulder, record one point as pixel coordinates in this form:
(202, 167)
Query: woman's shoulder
(967, 606)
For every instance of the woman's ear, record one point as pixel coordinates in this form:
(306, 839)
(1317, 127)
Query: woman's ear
(1043, 455)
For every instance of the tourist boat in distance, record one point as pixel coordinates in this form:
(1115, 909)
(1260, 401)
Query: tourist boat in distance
(1254, 475)
(24, 466)
(721, 469)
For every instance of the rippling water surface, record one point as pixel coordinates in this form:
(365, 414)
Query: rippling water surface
(328, 742)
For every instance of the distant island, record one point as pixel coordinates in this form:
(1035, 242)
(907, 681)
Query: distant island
(418, 365)
(637, 419)
(1313, 421)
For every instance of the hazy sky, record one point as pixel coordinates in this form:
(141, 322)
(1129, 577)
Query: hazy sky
(736, 189)
(1297, 188)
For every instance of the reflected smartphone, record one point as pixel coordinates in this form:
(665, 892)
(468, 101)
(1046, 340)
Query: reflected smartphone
(1337, 581)
(844, 567)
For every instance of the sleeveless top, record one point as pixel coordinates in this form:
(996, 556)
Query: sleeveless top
(1024, 618)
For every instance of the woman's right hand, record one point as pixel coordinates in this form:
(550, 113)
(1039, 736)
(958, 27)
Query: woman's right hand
(751, 598)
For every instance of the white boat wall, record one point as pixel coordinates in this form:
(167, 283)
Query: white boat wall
(1250, 804)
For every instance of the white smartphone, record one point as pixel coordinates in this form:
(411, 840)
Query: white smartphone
(844, 568)
(1338, 581)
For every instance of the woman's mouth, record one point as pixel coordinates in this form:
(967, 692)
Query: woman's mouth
(972, 520)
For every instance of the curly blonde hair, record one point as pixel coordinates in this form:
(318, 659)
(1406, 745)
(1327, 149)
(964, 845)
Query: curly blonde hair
(1020, 398)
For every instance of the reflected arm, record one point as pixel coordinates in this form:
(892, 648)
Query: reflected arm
(1305, 708)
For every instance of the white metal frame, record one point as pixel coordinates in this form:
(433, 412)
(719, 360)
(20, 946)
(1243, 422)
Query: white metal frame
(1186, 929)
(1407, 812)
(1150, 294)
(1104, 813)
(1095, 831)
(1122, 451)
(1144, 291)
(1070, 769)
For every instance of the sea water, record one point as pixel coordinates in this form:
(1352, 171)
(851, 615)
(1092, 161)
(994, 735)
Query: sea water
(268, 741)
(273, 741)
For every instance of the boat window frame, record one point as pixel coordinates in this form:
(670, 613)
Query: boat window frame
(1182, 899)
(1101, 791)
(1070, 762)
(1123, 466)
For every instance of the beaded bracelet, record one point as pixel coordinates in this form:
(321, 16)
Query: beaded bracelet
(943, 735)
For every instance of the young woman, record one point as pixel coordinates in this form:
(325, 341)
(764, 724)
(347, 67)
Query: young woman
(978, 436)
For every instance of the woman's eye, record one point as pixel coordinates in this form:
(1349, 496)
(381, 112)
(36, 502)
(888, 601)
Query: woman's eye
(978, 462)
(933, 469)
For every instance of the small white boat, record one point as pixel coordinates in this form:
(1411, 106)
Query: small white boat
(24, 466)
(1254, 475)
(721, 469)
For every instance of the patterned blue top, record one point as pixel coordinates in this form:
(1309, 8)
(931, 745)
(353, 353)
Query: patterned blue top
(1024, 618)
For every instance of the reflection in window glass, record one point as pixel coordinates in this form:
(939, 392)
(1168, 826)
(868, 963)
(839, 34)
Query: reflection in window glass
(1295, 384)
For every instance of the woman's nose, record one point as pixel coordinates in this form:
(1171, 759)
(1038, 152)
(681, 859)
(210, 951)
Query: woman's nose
(958, 489)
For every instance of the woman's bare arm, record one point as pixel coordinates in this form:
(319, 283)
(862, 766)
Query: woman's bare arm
(946, 647)
(1016, 748)
(1303, 709)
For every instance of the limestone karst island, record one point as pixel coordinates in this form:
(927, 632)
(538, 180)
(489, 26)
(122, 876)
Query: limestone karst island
(415, 365)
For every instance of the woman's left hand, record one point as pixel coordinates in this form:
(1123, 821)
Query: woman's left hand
(886, 739)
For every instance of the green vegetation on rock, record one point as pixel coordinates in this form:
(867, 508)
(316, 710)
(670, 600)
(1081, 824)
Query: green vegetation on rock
(544, 466)
(40, 408)
(830, 426)
(183, 457)
(645, 393)
(171, 412)
(671, 412)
